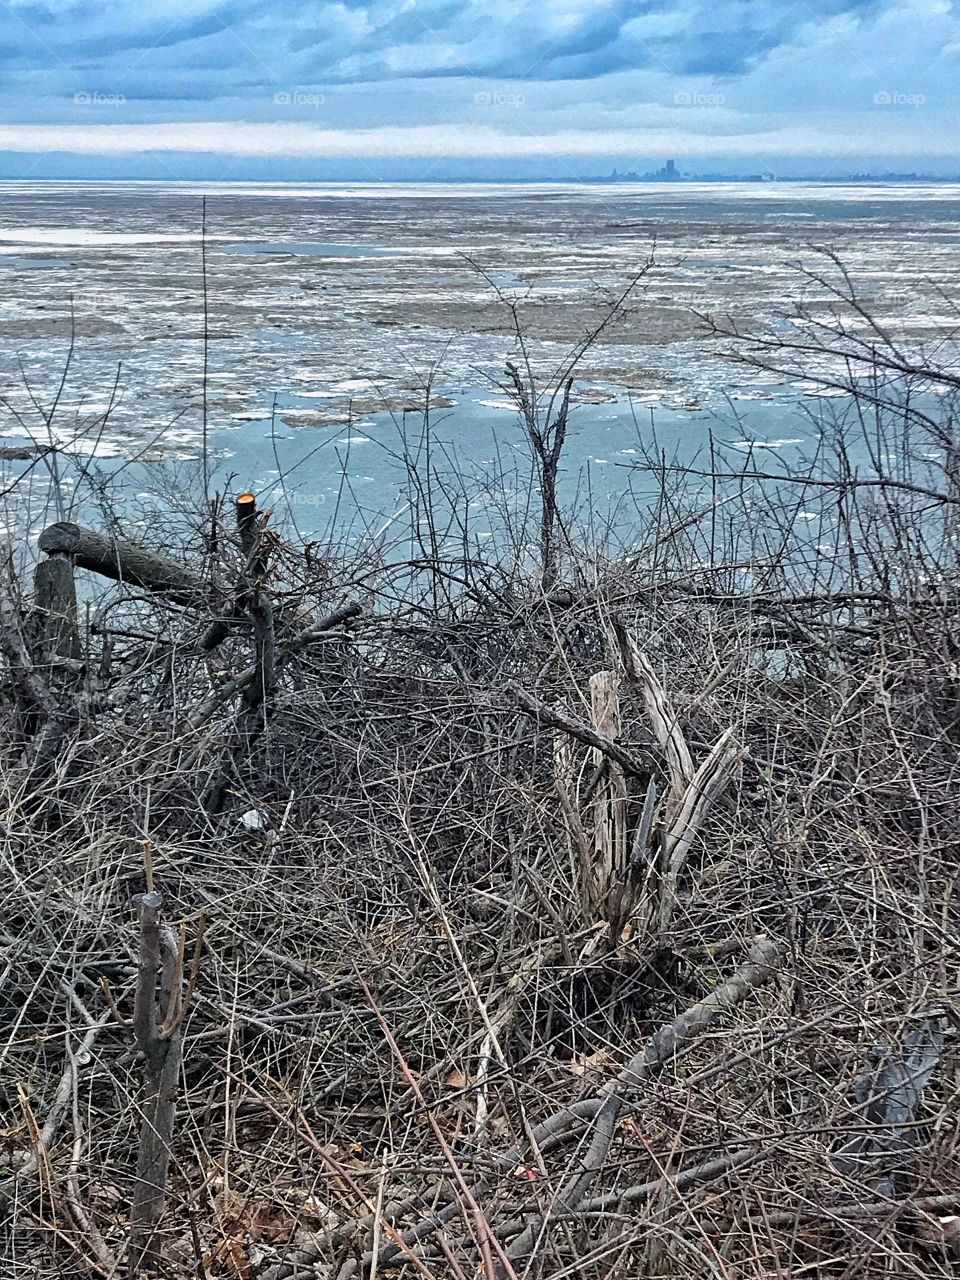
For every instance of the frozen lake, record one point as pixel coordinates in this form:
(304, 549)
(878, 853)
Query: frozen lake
(331, 308)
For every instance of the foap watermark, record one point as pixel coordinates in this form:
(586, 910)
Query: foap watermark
(299, 98)
(307, 499)
(499, 98)
(96, 98)
(694, 98)
(96, 301)
(896, 296)
(893, 98)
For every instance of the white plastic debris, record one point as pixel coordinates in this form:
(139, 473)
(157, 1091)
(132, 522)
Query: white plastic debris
(255, 820)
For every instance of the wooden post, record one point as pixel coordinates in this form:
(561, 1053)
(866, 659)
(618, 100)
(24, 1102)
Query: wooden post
(157, 1016)
(610, 806)
(55, 605)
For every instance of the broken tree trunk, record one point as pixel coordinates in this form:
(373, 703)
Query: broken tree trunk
(124, 561)
(237, 608)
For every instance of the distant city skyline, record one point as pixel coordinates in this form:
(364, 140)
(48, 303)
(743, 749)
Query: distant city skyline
(420, 90)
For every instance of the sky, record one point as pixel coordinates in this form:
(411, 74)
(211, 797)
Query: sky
(438, 90)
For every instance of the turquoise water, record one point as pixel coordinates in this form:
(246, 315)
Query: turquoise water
(133, 257)
(351, 479)
(23, 262)
(350, 485)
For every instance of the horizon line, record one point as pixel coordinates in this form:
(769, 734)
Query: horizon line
(590, 180)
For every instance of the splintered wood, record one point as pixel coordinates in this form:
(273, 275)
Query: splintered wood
(632, 880)
(610, 805)
(598, 841)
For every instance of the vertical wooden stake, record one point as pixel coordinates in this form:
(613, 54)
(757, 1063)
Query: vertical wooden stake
(610, 806)
(158, 995)
(55, 601)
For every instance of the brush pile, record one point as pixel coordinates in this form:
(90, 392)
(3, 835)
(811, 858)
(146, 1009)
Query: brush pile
(415, 911)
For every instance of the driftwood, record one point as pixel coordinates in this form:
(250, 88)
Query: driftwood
(124, 561)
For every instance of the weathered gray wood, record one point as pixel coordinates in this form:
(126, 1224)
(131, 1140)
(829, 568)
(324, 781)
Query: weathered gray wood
(55, 605)
(57, 714)
(610, 803)
(157, 996)
(760, 968)
(557, 717)
(663, 718)
(124, 561)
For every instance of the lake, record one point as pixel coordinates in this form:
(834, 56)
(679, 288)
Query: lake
(330, 308)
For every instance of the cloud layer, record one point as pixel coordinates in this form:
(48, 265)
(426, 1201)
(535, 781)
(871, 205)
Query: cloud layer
(448, 81)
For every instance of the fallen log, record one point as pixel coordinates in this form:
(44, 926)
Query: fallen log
(124, 561)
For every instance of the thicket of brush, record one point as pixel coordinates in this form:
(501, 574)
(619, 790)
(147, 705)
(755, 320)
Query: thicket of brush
(507, 908)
